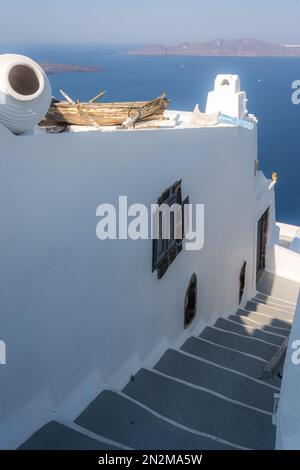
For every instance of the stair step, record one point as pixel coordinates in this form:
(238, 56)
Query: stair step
(272, 312)
(203, 411)
(225, 357)
(263, 319)
(117, 417)
(250, 331)
(56, 436)
(279, 287)
(246, 321)
(240, 343)
(226, 382)
(273, 302)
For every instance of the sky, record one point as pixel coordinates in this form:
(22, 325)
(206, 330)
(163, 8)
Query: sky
(143, 21)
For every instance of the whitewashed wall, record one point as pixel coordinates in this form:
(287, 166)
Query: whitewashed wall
(286, 263)
(265, 198)
(78, 313)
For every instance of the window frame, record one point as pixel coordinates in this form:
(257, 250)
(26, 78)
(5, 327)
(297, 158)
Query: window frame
(164, 251)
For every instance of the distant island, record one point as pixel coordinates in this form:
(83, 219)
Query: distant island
(63, 68)
(220, 47)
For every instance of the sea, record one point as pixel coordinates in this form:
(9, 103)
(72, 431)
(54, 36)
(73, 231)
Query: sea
(187, 80)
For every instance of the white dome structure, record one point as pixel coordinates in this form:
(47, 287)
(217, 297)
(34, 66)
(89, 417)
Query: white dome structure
(25, 93)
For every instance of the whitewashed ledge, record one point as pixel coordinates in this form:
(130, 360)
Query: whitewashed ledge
(285, 259)
(288, 413)
(287, 232)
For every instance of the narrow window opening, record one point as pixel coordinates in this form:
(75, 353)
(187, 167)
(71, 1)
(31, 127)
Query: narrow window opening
(242, 281)
(190, 302)
(262, 240)
(225, 82)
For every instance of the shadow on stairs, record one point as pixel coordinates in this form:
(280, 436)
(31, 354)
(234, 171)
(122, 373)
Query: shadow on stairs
(211, 393)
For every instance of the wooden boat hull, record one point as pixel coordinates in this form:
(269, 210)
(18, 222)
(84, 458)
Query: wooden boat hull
(104, 114)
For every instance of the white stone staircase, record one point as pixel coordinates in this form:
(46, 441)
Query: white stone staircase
(209, 394)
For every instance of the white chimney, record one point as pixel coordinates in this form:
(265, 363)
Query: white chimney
(227, 97)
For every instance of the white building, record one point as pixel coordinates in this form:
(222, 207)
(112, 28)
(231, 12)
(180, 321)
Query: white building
(80, 315)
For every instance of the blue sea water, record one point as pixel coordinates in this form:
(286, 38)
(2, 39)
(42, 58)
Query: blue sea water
(187, 81)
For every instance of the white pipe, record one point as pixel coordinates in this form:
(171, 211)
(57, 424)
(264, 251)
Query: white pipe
(25, 93)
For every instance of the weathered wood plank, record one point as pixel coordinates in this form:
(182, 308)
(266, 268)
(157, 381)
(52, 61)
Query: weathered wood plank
(105, 114)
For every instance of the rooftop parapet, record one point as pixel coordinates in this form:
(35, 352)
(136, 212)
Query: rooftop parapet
(26, 106)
